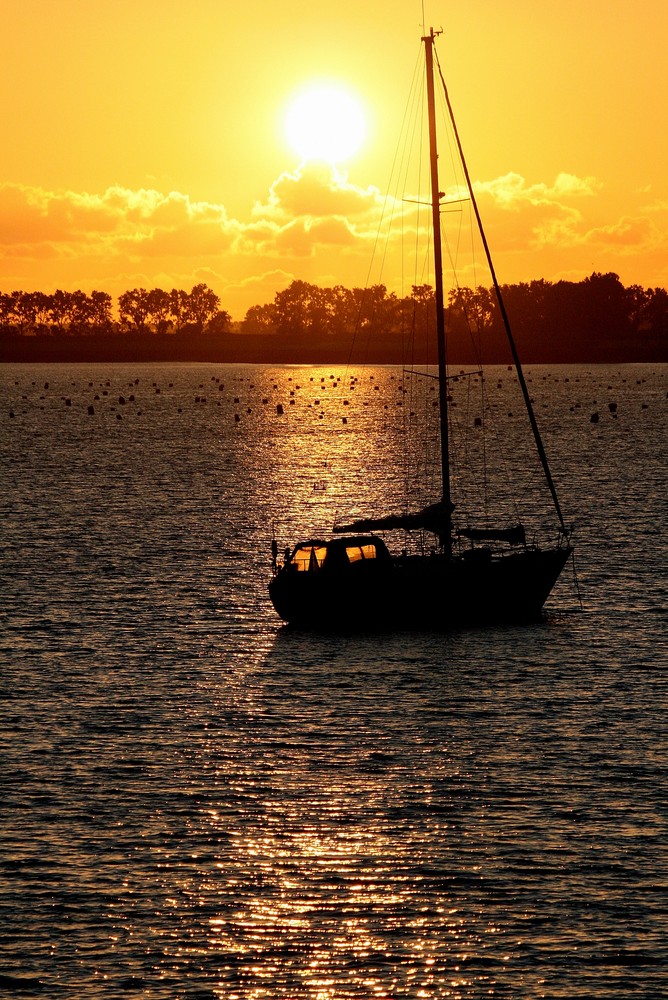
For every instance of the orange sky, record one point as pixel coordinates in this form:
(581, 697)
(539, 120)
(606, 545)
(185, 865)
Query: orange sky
(144, 141)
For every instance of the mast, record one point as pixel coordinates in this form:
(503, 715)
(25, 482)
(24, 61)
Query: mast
(446, 537)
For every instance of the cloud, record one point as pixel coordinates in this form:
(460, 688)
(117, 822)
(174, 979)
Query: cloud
(35, 222)
(315, 191)
(627, 235)
(512, 191)
(550, 214)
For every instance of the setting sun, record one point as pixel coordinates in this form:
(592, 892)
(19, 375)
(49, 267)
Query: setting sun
(325, 122)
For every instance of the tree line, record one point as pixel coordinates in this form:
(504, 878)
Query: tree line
(596, 319)
(140, 311)
(597, 307)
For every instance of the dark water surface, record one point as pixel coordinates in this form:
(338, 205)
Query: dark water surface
(195, 803)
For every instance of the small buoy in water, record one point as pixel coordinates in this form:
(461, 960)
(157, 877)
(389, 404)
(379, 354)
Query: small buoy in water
(612, 407)
(594, 418)
(237, 418)
(68, 402)
(477, 422)
(91, 411)
(121, 400)
(344, 420)
(11, 414)
(279, 409)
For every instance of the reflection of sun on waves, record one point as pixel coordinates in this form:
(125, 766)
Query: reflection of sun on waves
(337, 443)
(325, 869)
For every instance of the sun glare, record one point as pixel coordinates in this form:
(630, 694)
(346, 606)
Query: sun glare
(325, 123)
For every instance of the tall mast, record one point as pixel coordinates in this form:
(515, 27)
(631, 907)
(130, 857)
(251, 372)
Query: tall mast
(446, 538)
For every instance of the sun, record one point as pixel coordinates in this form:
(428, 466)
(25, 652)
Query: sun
(325, 122)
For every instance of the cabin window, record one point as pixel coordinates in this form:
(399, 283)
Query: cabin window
(309, 557)
(357, 552)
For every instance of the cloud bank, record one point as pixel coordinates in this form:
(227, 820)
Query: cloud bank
(314, 221)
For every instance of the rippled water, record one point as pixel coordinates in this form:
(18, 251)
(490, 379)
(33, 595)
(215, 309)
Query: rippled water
(196, 803)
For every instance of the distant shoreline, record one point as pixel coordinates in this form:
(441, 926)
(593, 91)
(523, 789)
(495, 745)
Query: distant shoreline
(270, 349)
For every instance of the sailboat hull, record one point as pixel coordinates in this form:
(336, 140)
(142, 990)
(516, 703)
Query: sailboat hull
(428, 592)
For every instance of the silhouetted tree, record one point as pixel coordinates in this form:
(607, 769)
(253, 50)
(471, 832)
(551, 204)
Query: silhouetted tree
(260, 319)
(202, 306)
(100, 312)
(133, 307)
(158, 304)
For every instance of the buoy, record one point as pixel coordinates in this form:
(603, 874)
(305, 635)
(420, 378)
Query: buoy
(279, 409)
(91, 411)
(594, 418)
(612, 407)
(237, 418)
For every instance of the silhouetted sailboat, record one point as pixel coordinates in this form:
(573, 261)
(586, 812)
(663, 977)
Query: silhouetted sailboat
(352, 580)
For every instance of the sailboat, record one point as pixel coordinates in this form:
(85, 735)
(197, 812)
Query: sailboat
(351, 579)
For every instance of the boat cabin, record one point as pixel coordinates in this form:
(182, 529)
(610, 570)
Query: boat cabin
(337, 554)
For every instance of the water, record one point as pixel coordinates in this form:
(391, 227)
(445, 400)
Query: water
(196, 803)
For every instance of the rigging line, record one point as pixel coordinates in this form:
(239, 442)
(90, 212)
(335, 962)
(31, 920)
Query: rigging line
(576, 582)
(387, 213)
(506, 322)
(408, 344)
(395, 170)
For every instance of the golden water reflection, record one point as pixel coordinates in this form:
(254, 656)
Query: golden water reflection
(323, 897)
